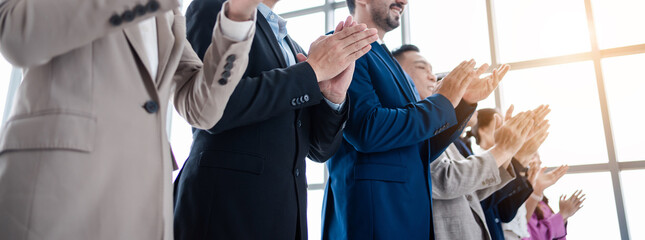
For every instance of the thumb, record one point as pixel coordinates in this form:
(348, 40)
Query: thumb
(301, 57)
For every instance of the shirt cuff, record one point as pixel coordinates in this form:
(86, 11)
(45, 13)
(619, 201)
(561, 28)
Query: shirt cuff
(337, 107)
(236, 31)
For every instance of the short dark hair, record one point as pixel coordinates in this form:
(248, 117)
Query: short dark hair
(351, 5)
(405, 48)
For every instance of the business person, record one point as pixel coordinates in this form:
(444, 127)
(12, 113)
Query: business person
(84, 154)
(460, 182)
(245, 177)
(378, 186)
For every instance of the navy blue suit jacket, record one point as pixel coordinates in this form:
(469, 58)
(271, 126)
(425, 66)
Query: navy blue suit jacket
(501, 206)
(378, 186)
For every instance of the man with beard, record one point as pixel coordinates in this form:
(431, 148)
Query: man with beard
(378, 186)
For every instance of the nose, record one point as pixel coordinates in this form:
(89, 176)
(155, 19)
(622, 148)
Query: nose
(432, 77)
(402, 2)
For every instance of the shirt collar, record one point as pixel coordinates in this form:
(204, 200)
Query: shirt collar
(277, 23)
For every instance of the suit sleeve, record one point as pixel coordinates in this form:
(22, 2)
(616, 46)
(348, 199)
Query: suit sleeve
(326, 130)
(443, 139)
(455, 177)
(375, 128)
(255, 98)
(203, 91)
(32, 32)
(517, 191)
(505, 176)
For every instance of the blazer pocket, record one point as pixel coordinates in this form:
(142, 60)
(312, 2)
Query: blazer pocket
(232, 160)
(380, 172)
(50, 130)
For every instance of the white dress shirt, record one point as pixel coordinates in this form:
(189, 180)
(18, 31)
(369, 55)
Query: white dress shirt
(237, 31)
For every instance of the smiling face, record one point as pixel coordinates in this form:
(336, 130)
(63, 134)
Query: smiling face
(386, 14)
(420, 71)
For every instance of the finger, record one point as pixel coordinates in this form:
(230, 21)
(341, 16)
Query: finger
(347, 32)
(349, 21)
(358, 54)
(366, 41)
(339, 27)
(301, 57)
(459, 72)
(502, 72)
(482, 69)
(509, 112)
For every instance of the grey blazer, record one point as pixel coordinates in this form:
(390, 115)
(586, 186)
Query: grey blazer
(84, 154)
(458, 184)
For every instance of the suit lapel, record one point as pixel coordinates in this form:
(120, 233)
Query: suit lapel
(398, 77)
(133, 34)
(264, 27)
(165, 40)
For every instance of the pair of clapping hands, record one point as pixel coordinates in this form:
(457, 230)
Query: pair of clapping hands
(331, 57)
(521, 135)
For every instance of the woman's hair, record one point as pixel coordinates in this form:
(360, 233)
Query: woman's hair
(538, 209)
(484, 118)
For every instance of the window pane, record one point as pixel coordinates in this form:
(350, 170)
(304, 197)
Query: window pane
(575, 118)
(599, 210)
(393, 39)
(184, 6)
(489, 102)
(306, 29)
(448, 32)
(617, 22)
(315, 172)
(625, 83)
(314, 213)
(537, 29)
(634, 196)
(181, 137)
(284, 6)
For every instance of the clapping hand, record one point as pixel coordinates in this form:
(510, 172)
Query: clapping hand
(546, 180)
(454, 85)
(569, 207)
(480, 88)
(332, 57)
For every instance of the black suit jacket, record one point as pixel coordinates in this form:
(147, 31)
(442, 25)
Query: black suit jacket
(501, 206)
(245, 177)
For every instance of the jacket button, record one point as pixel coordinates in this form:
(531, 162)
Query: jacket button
(299, 124)
(128, 16)
(230, 58)
(140, 10)
(152, 6)
(222, 81)
(228, 66)
(306, 97)
(115, 20)
(226, 74)
(151, 106)
(468, 197)
(297, 172)
(496, 220)
(293, 102)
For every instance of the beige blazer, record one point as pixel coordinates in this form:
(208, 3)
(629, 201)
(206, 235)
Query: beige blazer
(84, 154)
(458, 185)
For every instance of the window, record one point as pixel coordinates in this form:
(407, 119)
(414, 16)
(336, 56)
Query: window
(449, 32)
(598, 211)
(284, 6)
(617, 22)
(575, 118)
(538, 29)
(306, 29)
(634, 198)
(625, 87)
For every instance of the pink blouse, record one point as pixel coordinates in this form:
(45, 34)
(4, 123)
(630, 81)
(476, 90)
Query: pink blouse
(552, 226)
